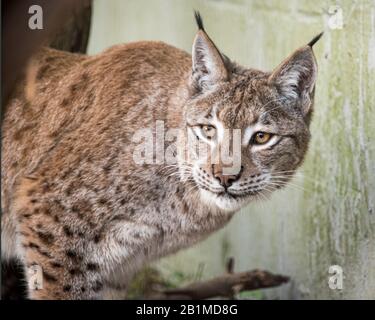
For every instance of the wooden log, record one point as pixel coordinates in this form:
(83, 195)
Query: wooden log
(227, 285)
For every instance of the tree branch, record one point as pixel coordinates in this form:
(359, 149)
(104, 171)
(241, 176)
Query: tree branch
(226, 285)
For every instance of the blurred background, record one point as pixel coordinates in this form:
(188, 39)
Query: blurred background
(327, 216)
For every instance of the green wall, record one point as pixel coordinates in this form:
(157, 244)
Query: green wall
(327, 216)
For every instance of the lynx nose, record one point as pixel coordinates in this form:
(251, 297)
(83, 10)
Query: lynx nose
(225, 180)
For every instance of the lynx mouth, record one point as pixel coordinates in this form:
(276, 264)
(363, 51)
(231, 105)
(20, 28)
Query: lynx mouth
(231, 195)
(228, 201)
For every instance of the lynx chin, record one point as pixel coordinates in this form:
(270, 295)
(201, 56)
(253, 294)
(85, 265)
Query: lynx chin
(76, 203)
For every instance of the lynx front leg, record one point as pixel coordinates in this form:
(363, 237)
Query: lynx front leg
(48, 279)
(55, 270)
(56, 254)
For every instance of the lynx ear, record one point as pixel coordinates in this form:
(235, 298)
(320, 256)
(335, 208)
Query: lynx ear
(295, 78)
(208, 67)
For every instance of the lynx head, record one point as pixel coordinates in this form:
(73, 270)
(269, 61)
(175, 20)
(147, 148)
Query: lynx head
(255, 123)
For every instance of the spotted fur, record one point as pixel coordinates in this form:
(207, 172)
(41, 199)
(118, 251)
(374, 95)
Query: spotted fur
(73, 200)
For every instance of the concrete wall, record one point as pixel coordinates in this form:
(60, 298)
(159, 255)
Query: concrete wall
(327, 216)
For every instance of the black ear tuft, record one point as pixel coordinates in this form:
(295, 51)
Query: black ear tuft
(199, 20)
(315, 39)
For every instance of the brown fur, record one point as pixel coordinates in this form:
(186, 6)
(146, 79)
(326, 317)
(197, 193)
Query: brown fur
(74, 201)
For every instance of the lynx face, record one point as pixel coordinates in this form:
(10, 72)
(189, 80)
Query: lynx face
(255, 125)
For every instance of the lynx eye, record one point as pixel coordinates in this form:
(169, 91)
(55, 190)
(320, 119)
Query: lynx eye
(208, 131)
(261, 137)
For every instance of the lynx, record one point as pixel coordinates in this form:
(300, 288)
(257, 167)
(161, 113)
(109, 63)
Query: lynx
(77, 204)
